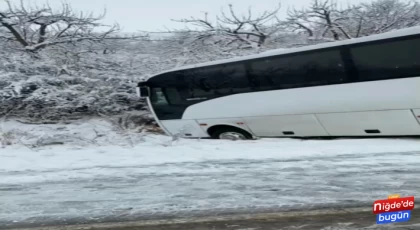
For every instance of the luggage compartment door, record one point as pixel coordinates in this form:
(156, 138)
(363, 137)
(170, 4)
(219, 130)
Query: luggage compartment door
(371, 123)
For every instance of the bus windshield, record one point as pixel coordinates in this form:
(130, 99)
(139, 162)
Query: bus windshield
(157, 97)
(169, 103)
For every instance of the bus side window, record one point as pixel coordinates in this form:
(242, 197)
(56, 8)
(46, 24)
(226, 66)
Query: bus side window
(198, 84)
(300, 70)
(237, 76)
(264, 72)
(387, 60)
(279, 73)
(208, 82)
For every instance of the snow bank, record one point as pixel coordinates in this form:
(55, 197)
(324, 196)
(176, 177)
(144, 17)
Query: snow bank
(111, 152)
(155, 150)
(97, 173)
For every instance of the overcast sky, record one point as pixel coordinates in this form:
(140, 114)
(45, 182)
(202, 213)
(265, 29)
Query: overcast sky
(153, 15)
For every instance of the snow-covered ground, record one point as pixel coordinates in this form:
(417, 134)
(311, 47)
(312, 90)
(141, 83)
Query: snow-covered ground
(98, 171)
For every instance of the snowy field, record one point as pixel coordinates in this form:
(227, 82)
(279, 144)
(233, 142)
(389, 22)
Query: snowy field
(91, 171)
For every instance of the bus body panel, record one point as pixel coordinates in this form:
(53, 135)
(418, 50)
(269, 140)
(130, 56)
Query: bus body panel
(286, 125)
(380, 123)
(369, 123)
(334, 110)
(184, 128)
(416, 113)
(356, 97)
(235, 122)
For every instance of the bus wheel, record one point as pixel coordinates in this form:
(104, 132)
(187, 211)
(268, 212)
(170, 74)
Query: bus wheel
(230, 133)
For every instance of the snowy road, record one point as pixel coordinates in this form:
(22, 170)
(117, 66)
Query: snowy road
(190, 177)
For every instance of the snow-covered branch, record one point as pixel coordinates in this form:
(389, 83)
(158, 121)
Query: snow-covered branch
(383, 15)
(245, 30)
(35, 28)
(321, 18)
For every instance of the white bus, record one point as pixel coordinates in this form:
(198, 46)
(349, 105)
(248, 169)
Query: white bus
(368, 86)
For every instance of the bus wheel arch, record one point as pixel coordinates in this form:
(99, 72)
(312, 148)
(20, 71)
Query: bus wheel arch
(228, 132)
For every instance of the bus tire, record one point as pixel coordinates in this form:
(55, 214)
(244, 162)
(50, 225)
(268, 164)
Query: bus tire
(229, 133)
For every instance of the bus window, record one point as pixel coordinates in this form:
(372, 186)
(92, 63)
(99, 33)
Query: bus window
(220, 80)
(173, 96)
(263, 73)
(200, 85)
(387, 60)
(237, 75)
(207, 83)
(301, 70)
(157, 97)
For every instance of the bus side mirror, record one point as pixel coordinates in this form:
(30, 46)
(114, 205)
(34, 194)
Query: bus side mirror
(143, 91)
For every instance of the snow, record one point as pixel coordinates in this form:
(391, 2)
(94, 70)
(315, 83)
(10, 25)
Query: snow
(157, 149)
(92, 160)
(110, 172)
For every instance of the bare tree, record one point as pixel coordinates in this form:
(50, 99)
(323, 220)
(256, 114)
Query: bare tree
(246, 30)
(381, 16)
(298, 20)
(321, 18)
(35, 28)
(324, 20)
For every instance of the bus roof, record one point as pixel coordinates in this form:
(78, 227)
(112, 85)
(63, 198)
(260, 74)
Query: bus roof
(275, 52)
